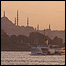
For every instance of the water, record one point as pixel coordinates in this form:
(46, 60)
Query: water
(25, 58)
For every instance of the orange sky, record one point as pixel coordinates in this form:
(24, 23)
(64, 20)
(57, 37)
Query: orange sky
(39, 12)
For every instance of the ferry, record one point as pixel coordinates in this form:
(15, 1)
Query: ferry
(47, 50)
(43, 49)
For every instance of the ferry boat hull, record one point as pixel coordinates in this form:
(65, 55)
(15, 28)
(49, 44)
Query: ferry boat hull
(40, 50)
(46, 51)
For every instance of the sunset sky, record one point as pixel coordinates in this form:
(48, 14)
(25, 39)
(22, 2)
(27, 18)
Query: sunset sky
(39, 12)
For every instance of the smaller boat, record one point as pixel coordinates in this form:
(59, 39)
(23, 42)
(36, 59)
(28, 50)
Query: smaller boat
(61, 51)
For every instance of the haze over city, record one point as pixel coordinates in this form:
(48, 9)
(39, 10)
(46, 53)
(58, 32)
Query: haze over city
(32, 32)
(39, 12)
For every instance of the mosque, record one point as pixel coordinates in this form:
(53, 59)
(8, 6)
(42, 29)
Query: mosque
(14, 29)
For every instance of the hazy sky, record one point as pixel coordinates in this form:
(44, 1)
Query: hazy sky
(39, 12)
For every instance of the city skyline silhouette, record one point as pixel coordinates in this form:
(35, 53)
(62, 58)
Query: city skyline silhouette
(32, 32)
(14, 29)
(43, 13)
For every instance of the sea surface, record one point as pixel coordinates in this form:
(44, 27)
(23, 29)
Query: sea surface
(25, 58)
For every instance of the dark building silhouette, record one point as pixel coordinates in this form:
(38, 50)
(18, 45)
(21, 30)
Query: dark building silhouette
(52, 33)
(12, 29)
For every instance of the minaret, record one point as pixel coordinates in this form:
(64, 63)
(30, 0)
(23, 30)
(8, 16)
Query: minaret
(44, 32)
(4, 13)
(27, 21)
(38, 27)
(35, 29)
(17, 17)
(15, 21)
(49, 30)
(49, 26)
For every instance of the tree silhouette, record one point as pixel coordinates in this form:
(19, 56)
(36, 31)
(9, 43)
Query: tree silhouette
(22, 42)
(13, 39)
(4, 40)
(57, 41)
(22, 39)
(36, 38)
